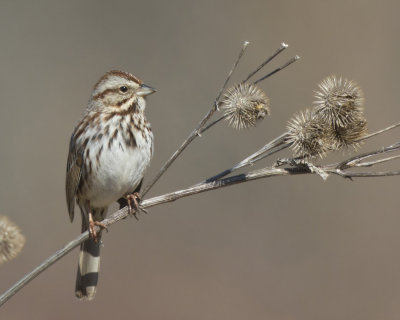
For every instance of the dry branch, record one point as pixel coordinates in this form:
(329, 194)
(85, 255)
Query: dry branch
(267, 172)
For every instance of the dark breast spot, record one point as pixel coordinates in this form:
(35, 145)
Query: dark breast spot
(98, 155)
(109, 116)
(85, 143)
(106, 130)
(112, 138)
(130, 139)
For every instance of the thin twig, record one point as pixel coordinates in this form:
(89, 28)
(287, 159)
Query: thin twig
(270, 152)
(349, 174)
(280, 143)
(195, 133)
(294, 59)
(280, 49)
(379, 132)
(43, 266)
(251, 159)
(372, 163)
(213, 123)
(337, 169)
(349, 163)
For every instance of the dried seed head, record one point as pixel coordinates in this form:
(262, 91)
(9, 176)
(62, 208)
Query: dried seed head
(11, 240)
(339, 101)
(244, 104)
(349, 135)
(308, 135)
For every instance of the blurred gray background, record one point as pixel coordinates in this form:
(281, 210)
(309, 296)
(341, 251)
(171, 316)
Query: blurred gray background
(281, 248)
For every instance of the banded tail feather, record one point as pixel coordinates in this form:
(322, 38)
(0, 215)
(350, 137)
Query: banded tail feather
(89, 258)
(88, 270)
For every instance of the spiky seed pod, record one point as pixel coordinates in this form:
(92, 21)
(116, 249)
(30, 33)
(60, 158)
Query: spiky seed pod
(339, 101)
(349, 135)
(308, 135)
(11, 240)
(244, 104)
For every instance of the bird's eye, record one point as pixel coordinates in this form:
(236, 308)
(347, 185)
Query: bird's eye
(123, 89)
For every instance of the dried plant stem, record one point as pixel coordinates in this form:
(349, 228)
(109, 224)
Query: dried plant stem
(372, 163)
(379, 132)
(337, 169)
(42, 267)
(266, 150)
(213, 123)
(294, 59)
(262, 65)
(270, 152)
(277, 145)
(355, 161)
(196, 132)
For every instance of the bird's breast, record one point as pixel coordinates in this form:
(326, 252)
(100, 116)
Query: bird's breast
(116, 162)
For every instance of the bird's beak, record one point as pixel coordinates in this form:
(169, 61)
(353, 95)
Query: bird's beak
(145, 90)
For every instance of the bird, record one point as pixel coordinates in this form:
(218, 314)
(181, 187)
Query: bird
(109, 152)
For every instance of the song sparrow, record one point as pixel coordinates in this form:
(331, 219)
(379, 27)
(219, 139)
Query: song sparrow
(109, 152)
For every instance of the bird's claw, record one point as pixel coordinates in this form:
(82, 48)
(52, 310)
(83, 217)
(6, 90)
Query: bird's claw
(92, 228)
(133, 204)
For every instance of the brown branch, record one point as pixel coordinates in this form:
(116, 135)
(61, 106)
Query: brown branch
(266, 149)
(337, 169)
(353, 161)
(279, 144)
(269, 59)
(379, 132)
(294, 59)
(372, 163)
(349, 174)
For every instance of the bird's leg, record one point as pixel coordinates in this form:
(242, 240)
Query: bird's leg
(133, 203)
(92, 227)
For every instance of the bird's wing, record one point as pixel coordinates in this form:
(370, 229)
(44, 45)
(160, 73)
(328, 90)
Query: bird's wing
(74, 173)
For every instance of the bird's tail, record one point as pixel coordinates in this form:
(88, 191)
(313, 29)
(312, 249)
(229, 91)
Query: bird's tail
(89, 258)
(88, 270)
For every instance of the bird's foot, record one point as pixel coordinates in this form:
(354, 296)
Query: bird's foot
(92, 228)
(133, 204)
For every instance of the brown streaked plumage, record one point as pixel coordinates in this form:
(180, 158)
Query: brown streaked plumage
(109, 152)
